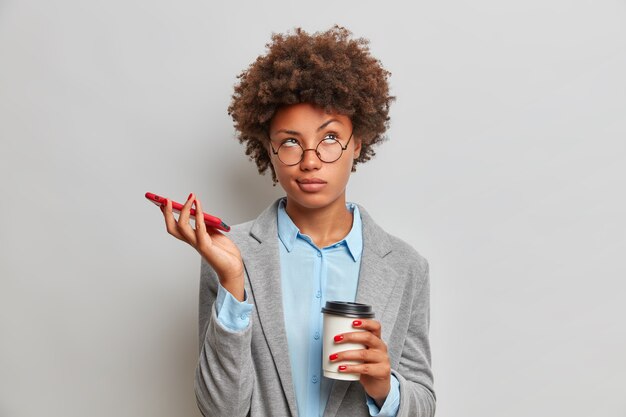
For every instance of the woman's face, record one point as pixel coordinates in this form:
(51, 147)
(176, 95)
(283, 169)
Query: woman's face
(312, 183)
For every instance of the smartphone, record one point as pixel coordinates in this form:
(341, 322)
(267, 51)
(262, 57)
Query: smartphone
(210, 221)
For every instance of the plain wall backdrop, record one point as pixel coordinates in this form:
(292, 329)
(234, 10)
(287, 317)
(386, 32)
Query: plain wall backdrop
(505, 167)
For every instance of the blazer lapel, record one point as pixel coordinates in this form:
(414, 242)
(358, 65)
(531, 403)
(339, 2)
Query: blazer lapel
(376, 281)
(262, 263)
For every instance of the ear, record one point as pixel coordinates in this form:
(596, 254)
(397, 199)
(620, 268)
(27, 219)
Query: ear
(357, 147)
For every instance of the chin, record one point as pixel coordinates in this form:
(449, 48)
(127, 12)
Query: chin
(312, 200)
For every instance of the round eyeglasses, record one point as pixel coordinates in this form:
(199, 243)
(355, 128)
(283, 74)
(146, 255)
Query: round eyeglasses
(290, 152)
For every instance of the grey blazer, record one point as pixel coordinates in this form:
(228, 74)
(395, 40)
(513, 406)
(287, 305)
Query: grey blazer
(248, 373)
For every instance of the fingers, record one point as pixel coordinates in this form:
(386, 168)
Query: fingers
(375, 370)
(366, 324)
(375, 363)
(170, 221)
(182, 230)
(183, 226)
(202, 237)
(375, 360)
(361, 355)
(367, 338)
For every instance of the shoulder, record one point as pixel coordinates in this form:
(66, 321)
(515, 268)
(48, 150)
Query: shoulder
(403, 251)
(398, 253)
(409, 263)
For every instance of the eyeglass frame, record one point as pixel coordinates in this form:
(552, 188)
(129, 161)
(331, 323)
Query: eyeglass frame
(343, 148)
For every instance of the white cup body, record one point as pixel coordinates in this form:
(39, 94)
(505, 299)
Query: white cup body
(334, 325)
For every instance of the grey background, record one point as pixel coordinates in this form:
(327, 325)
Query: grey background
(505, 168)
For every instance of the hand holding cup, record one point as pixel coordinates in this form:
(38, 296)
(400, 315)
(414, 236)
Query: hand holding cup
(353, 349)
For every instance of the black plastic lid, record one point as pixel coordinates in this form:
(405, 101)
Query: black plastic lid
(348, 309)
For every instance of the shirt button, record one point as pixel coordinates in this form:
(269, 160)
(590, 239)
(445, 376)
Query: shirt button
(316, 335)
(243, 316)
(314, 379)
(318, 294)
(319, 254)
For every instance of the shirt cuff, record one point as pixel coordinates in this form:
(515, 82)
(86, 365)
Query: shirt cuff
(231, 313)
(392, 402)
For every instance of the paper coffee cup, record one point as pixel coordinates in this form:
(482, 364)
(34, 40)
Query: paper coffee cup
(338, 318)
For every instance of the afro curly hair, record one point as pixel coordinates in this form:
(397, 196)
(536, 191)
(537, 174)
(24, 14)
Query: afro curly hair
(327, 69)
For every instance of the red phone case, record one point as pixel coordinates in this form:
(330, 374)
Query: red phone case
(209, 220)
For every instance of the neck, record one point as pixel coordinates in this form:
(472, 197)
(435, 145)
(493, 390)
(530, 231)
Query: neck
(325, 225)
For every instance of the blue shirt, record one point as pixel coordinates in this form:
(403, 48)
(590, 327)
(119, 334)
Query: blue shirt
(310, 276)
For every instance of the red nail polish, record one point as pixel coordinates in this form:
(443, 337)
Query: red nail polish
(342, 367)
(333, 356)
(338, 338)
(357, 323)
(189, 198)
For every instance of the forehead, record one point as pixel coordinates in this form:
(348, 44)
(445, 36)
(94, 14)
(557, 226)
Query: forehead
(306, 117)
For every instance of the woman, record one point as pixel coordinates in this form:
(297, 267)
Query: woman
(309, 110)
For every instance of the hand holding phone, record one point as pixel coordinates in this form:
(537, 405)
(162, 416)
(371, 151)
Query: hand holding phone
(215, 247)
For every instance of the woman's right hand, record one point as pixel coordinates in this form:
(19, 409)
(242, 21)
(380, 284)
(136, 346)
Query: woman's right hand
(218, 250)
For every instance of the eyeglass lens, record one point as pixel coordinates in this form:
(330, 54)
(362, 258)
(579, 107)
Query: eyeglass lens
(327, 150)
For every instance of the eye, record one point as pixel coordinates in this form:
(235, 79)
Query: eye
(289, 143)
(330, 138)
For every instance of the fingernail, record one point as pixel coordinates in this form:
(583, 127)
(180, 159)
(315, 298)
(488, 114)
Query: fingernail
(338, 338)
(333, 356)
(356, 323)
(342, 367)
(189, 198)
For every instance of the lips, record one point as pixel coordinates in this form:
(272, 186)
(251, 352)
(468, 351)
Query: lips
(311, 181)
(311, 185)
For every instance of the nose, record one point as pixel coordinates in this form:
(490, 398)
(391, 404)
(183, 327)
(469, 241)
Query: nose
(310, 160)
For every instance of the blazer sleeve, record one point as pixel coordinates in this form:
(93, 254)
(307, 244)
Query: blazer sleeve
(225, 372)
(417, 395)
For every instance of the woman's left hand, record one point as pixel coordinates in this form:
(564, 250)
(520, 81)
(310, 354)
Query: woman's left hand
(375, 370)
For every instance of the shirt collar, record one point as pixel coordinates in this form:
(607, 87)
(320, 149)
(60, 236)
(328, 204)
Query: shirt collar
(288, 232)
(354, 239)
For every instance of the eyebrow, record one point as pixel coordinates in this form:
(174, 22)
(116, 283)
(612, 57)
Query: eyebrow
(293, 132)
